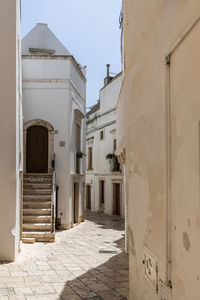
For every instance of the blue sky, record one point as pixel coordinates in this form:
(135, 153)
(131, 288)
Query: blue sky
(89, 29)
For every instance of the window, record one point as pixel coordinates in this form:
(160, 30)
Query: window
(89, 158)
(101, 135)
(114, 145)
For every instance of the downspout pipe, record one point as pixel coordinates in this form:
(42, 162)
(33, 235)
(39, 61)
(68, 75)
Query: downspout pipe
(57, 188)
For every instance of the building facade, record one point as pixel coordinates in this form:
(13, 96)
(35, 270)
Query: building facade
(158, 117)
(54, 93)
(11, 130)
(104, 175)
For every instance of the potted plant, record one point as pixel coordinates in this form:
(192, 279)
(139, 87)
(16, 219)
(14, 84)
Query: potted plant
(80, 154)
(110, 156)
(114, 161)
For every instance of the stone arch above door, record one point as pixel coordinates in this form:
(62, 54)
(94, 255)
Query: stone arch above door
(51, 132)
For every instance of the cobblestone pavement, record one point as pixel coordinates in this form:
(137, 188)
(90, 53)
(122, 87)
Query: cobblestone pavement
(77, 266)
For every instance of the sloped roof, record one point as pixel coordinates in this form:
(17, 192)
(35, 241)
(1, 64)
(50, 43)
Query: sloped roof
(41, 37)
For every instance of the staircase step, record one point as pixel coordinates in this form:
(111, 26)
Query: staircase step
(44, 181)
(37, 212)
(37, 177)
(28, 240)
(35, 185)
(37, 200)
(37, 197)
(37, 208)
(36, 219)
(40, 236)
(37, 192)
(36, 205)
(37, 227)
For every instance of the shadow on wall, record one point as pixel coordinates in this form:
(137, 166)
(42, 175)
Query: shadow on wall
(108, 281)
(105, 223)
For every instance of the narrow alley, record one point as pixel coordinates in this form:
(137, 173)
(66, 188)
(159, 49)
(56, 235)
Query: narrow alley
(86, 262)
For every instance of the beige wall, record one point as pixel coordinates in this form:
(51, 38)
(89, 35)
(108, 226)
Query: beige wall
(10, 129)
(158, 116)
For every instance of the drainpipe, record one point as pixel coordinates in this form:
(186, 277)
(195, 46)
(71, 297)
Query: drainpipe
(57, 225)
(179, 41)
(169, 171)
(126, 212)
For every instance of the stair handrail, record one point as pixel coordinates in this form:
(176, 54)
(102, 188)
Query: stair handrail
(53, 200)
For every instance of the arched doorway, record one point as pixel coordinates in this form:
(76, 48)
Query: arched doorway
(37, 149)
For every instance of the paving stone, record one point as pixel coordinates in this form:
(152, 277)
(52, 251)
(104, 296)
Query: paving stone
(59, 287)
(32, 278)
(16, 284)
(44, 291)
(18, 273)
(58, 267)
(71, 268)
(6, 291)
(98, 287)
(4, 298)
(123, 291)
(70, 297)
(111, 294)
(23, 291)
(3, 285)
(35, 273)
(67, 290)
(51, 278)
(49, 272)
(44, 268)
(16, 297)
(96, 298)
(43, 297)
(4, 273)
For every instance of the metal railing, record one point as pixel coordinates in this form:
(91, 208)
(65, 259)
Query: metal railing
(53, 201)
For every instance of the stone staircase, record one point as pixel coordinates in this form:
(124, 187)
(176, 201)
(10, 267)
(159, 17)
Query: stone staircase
(38, 212)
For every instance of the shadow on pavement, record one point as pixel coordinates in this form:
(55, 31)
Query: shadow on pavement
(108, 281)
(105, 222)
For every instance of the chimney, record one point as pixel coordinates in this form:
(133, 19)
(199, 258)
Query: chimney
(108, 78)
(108, 70)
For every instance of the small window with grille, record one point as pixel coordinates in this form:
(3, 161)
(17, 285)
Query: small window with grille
(114, 145)
(101, 135)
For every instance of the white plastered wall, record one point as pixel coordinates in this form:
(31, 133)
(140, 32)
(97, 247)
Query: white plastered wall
(51, 95)
(10, 134)
(143, 122)
(104, 120)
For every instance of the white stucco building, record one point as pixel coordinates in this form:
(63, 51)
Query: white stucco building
(54, 93)
(11, 129)
(104, 176)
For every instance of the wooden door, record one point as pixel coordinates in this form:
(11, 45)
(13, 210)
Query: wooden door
(76, 201)
(101, 193)
(37, 149)
(88, 197)
(116, 199)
